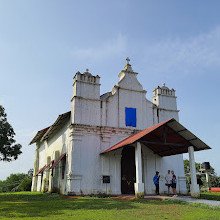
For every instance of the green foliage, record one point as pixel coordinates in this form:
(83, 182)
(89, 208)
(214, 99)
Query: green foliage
(13, 181)
(25, 185)
(17, 182)
(8, 149)
(187, 167)
(30, 173)
(187, 171)
(214, 180)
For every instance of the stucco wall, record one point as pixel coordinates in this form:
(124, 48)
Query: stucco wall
(99, 123)
(58, 142)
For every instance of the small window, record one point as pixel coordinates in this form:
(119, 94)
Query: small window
(130, 117)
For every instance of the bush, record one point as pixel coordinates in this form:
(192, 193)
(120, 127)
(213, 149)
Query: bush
(17, 182)
(25, 185)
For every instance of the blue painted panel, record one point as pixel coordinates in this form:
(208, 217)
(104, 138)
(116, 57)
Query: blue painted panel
(130, 117)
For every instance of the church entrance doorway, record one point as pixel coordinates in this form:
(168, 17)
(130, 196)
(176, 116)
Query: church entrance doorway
(128, 171)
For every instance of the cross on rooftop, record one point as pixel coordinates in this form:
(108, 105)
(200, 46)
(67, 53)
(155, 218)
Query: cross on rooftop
(128, 60)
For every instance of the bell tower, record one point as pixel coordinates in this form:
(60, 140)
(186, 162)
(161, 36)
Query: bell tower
(165, 101)
(85, 104)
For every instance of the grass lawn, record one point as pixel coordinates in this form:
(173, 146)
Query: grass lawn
(26, 205)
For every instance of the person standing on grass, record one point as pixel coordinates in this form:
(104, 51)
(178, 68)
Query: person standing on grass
(168, 179)
(174, 183)
(156, 182)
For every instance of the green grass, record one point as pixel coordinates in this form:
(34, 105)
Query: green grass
(27, 205)
(211, 195)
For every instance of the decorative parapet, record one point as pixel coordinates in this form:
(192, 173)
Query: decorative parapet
(164, 91)
(86, 77)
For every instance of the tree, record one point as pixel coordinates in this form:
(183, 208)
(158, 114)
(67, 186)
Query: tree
(214, 180)
(25, 185)
(8, 149)
(187, 167)
(30, 173)
(13, 181)
(187, 171)
(17, 182)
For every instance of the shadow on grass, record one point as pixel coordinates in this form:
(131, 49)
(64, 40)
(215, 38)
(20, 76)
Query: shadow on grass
(169, 202)
(211, 196)
(28, 196)
(43, 205)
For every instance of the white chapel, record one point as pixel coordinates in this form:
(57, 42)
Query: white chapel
(115, 142)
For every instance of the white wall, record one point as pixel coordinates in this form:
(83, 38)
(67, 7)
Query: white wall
(153, 163)
(58, 142)
(99, 124)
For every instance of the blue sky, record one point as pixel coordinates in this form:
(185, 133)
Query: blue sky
(44, 43)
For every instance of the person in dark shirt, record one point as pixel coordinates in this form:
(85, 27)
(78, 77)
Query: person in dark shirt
(156, 182)
(174, 183)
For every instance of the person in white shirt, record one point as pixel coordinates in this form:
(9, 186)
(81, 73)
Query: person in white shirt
(168, 179)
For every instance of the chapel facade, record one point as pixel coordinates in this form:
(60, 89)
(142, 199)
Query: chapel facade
(78, 154)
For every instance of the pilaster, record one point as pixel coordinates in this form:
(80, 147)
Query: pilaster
(74, 176)
(36, 167)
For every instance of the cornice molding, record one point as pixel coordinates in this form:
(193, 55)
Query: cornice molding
(80, 129)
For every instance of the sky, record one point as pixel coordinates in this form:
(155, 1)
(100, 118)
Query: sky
(44, 43)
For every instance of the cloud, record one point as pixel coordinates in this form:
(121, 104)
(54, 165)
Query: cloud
(192, 55)
(108, 49)
(197, 54)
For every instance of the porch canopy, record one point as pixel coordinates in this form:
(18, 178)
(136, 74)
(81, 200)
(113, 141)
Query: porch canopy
(165, 139)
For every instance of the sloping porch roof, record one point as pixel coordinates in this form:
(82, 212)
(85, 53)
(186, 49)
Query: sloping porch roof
(48, 166)
(40, 170)
(58, 160)
(165, 139)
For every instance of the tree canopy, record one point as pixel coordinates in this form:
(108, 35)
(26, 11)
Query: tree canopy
(214, 180)
(9, 150)
(17, 182)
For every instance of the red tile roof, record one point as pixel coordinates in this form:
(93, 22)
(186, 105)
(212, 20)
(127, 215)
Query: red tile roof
(46, 132)
(39, 135)
(177, 139)
(134, 137)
